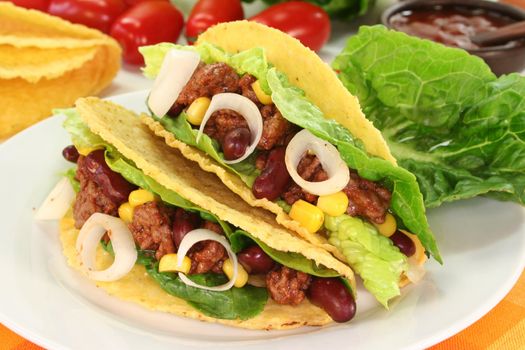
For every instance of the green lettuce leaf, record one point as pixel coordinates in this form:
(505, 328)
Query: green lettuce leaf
(407, 201)
(339, 9)
(445, 115)
(373, 256)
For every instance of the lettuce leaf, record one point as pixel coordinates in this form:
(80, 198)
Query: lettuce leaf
(445, 115)
(407, 201)
(373, 256)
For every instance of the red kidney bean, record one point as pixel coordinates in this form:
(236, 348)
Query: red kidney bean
(112, 183)
(331, 295)
(405, 244)
(183, 223)
(255, 260)
(70, 154)
(235, 143)
(274, 178)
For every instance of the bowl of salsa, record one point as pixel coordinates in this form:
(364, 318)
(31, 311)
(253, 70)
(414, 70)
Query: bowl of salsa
(453, 23)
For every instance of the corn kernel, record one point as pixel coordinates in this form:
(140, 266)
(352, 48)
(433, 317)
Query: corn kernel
(242, 275)
(125, 212)
(139, 197)
(308, 215)
(168, 263)
(84, 151)
(196, 111)
(334, 204)
(419, 255)
(262, 96)
(389, 227)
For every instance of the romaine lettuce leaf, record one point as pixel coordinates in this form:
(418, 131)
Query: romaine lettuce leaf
(373, 256)
(445, 115)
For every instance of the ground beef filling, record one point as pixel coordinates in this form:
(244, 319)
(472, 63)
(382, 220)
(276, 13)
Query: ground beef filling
(287, 286)
(91, 198)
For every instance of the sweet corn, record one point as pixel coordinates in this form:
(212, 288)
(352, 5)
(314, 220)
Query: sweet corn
(389, 227)
(125, 212)
(334, 204)
(168, 263)
(84, 151)
(139, 197)
(262, 96)
(196, 111)
(308, 215)
(242, 275)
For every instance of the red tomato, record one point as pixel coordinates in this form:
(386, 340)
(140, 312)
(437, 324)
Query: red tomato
(146, 23)
(97, 14)
(306, 22)
(209, 12)
(134, 2)
(40, 5)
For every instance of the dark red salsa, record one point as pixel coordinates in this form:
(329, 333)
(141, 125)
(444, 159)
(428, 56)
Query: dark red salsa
(451, 26)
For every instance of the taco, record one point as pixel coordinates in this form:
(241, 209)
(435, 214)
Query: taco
(272, 121)
(237, 265)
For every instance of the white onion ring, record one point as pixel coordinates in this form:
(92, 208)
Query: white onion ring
(176, 70)
(57, 201)
(335, 167)
(121, 239)
(198, 235)
(246, 108)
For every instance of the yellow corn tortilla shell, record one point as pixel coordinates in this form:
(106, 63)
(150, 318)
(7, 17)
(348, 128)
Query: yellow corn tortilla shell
(33, 64)
(46, 63)
(123, 129)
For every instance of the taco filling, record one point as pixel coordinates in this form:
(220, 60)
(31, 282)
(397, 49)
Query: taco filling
(220, 270)
(241, 111)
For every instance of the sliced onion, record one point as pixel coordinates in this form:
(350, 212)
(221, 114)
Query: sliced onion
(121, 239)
(198, 235)
(57, 201)
(245, 107)
(176, 70)
(335, 167)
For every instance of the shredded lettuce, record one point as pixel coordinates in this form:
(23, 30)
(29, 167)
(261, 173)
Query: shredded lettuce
(445, 115)
(373, 256)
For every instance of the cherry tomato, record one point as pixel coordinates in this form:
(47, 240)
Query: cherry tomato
(41, 5)
(306, 22)
(146, 23)
(206, 13)
(130, 3)
(98, 14)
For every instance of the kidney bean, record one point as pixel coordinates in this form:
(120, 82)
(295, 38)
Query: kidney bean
(255, 260)
(183, 223)
(331, 295)
(274, 178)
(405, 244)
(235, 143)
(112, 183)
(70, 154)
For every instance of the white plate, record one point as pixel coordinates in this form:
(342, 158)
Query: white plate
(482, 242)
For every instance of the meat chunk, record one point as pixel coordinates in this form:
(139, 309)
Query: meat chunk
(277, 131)
(245, 83)
(151, 228)
(207, 256)
(212, 226)
(209, 80)
(310, 169)
(223, 121)
(287, 286)
(92, 199)
(367, 199)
